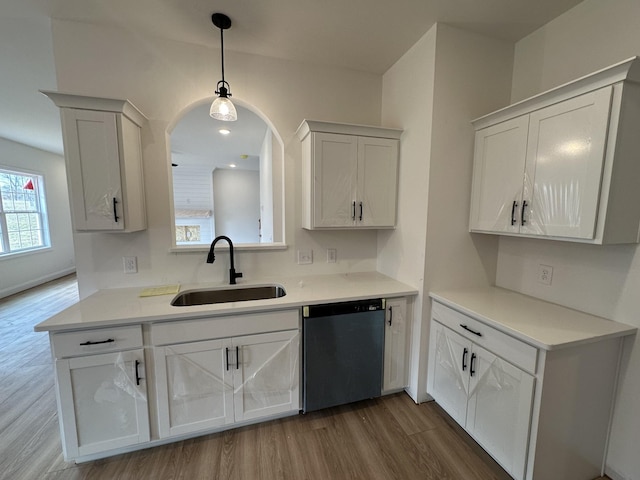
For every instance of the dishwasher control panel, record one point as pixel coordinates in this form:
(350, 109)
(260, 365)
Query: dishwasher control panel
(341, 308)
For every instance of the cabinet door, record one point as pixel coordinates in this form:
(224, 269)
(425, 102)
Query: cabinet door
(448, 371)
(93, 169)
(565, 157)
(266, 374)
(334, 179)
(102, 402)
(194, 384)
(498, 171)
(377, 182)
(395, 345)
(499, 409)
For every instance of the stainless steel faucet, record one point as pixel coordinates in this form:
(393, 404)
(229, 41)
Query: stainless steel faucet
(211, 258)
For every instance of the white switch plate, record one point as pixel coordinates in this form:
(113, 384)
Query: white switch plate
(130, 264)
(331, 255)
(545, 274)
(305, 257)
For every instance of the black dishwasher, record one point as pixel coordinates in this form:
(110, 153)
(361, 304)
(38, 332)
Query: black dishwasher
(343, 348)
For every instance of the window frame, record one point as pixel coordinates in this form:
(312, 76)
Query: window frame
(41, 210)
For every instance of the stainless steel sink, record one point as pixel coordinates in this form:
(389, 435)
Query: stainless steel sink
(224, 295)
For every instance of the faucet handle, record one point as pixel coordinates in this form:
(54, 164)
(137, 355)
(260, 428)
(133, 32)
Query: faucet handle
(233, 275)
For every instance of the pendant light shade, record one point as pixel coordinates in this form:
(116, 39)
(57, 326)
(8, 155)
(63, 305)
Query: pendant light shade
(222, 108)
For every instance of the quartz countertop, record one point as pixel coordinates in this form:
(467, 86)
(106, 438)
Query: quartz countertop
(542, 324)
(120, 306)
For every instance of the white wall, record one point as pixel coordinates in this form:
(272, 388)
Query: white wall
(603, 280)
(407, 103)
(266, 187)
(22, 271)
(444, 81)
(236, 196)
(162, 78)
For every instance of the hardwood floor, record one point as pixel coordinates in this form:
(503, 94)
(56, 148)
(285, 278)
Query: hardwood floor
(386, 438)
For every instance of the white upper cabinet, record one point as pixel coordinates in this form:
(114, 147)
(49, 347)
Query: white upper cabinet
(500, 152)
(559, 165)
(350, 175)
(103, 153)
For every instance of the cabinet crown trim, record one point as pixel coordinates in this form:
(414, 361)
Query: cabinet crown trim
(81, 102)
(625, 71)
(308, 126)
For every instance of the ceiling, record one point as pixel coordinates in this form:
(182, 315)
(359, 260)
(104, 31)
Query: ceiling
(366, 35)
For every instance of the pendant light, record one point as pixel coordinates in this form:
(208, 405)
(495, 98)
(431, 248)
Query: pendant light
(222, 108)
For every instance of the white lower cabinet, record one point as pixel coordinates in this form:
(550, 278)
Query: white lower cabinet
(266, 378)
(209, 384)
(395, 345)
(542, 412)
(483, 393)
(194, 387)
(102, 402)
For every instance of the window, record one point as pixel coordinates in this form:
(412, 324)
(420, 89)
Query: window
(23, 215)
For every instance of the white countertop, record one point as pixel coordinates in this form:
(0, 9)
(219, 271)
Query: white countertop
(536, 322)
(121, 306)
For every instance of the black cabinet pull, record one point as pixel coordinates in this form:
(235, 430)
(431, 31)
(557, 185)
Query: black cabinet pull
(390, 315)
(469, 330)
(471, 367)
(353, 211)
(89, 342)
(138, 378)
(237, 358)
(226, 358)
(513, 212)
(524, 207)
(360, 211)
(115, 211)
(464, 359)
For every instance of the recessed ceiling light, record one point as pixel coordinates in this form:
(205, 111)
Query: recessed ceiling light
(224, 131)
(232, 165)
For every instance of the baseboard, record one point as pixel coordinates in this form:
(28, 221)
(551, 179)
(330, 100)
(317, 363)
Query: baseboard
(35, 282)
(613, 475)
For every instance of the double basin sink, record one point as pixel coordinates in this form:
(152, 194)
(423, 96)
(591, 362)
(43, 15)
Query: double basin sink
(225, 295)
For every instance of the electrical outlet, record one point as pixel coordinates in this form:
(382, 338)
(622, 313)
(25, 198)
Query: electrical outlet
(130, 264)
(331, 255)
(545, 274)
(305, 257)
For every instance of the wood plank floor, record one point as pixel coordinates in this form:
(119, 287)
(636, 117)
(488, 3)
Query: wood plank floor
(382, 439)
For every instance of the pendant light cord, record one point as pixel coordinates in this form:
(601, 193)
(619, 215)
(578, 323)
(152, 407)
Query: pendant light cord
(222, 52)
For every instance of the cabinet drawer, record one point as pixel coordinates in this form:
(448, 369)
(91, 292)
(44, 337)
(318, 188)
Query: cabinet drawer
(224, 326)
(501, 344)
(98, 340)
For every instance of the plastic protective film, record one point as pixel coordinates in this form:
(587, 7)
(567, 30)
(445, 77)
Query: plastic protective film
(275, 377)
(553, 201)
(448, 361)
(265, 374)
(100, 203)
(106, 397)
(493, 381)
(556, 201)
(124, 379)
